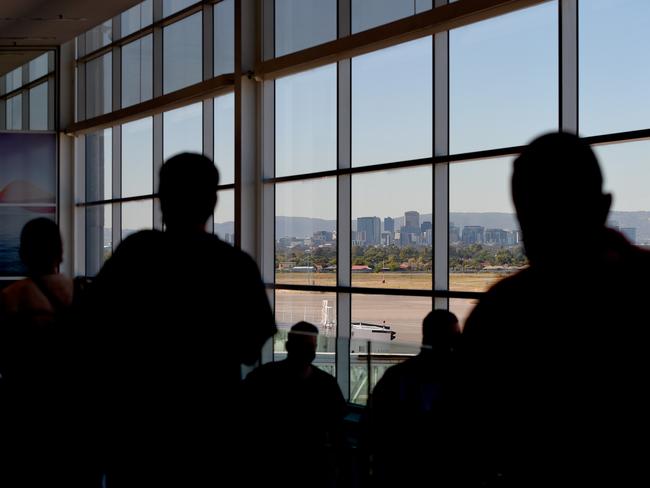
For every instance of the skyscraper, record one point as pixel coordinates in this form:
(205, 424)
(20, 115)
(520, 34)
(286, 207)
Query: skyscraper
(389, 224)
(412, 220)
(371, 226)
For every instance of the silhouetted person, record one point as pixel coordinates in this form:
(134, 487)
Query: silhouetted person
(555, 357)
(170, 337)
(32, 319)
(301, 419)
(411, 430)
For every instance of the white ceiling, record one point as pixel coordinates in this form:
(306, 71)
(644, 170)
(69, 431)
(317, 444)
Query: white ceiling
(47, 23)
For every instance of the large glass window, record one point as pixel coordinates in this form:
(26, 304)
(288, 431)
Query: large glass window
(372, 13)
(224, 216)
(137, 215)
(224, 37)
(305, 118)
(183, 130)
(317, 308)
(182, 53)
(614, 78)
(100, 36)
(305, 232)
(38, 107)
(13, 80)
(39, 67)
(385, 331)
(99, 237)
(392, 108)
(99, 84)
(224, 137)
(137, 71)
(300, 24)
(137, 159)
(14, 113)
(99, 164)
(392, 232)
(137, 18)
(484, 238)
(503, 80)
(172, 6)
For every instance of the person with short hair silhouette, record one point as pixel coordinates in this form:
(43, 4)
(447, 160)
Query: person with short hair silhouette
(410, 411)
(170, 335)
(302, 416)
(33, 314)
(554, 358)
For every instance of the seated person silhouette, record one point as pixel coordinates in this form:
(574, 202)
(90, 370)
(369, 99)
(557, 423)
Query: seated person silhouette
(33, 313)
(554, 358)
(409, 415)
(302, 416)
(169, 337)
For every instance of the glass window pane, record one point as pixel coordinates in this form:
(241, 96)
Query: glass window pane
(371, 13)
(38, 105)
(316, 308)
(137, 18)
(99, 161)
(626, 175)
(183, 130)
(422, 5)
(137, 158)
(300, 24)
(391, 229)
(484, 237)
(305, 232)
(183, 53)
(614, 79)
(40, 66)
(99, 237)
(173, 6)
(99, 36)
(305, 122)
(14, 113)
(98, 86)
(224, 37)
(392, 108)
(224, 138)
(503, 79)
(462, 308)
(136, 216)
(389, 329)
(14, 80)
(224, 216)
(137, 71)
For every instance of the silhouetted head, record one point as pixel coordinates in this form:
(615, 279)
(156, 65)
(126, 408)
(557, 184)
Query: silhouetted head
(557, 190)
(41, 249)
(187, 190)
(301, 343)
(440, 330)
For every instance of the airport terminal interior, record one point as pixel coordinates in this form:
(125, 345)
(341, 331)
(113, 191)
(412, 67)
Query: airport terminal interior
(364, 147)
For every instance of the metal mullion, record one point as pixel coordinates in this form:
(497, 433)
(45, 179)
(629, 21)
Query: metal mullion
(440, 248)
(267, 131)
(208, 140)
(344, 220)
(79, 231)
(568, 45)
(25, 99)
(357, 290)
(208, 41)
(116, 208)
(157, 47)
(51, 102)
(158, 152)
(268, 29)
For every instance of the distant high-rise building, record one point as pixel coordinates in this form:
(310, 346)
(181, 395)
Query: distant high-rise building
(630, 233)
(473, 234)
(454, 232)
(386, 238)
(371, 226)
(496, 237)
(425, 226)
(412, 220)
(389, 224)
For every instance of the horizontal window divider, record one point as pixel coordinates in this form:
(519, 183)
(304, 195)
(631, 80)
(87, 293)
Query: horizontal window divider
(432, 21)
(377, 291)
(151, 196)
(616, 137)
(27, 86)
(185, 96)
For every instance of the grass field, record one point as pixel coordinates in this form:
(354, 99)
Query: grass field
(476, 282)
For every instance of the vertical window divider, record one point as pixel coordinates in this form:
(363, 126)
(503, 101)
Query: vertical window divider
(344, 207)
(440, 263)
(116, 226)
(25, 98)
(568, 46)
